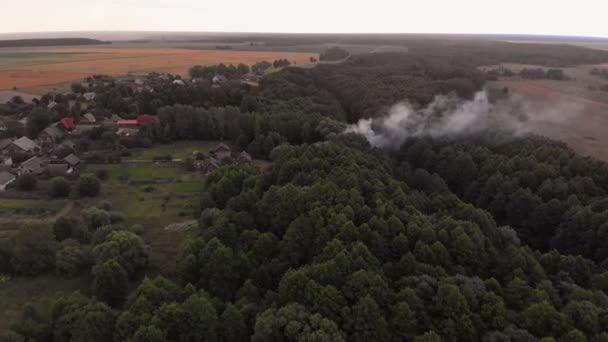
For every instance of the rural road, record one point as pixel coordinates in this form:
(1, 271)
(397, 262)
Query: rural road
(67, 208)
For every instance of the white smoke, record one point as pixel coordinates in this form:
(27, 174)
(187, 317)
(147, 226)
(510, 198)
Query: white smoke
(450, 116)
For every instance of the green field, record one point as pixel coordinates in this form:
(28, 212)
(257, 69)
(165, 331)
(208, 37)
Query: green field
(177, 150)
(154, 195)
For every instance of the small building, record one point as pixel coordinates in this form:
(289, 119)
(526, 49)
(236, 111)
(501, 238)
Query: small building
(4, 143)
(209, 165)
(72, 160)
(145, 119)
(6, 178)
(89, 96)
(219, 79)
(52, 105)
(50, 135)
(244, 158)
(58, 170)
(115, 118)
(88, 119)
(67, 123)
(24, 144)
(34, 165)
(179, 82)
(126, 132)
(221, 152)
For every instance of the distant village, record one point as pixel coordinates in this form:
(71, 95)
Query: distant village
(55, 151)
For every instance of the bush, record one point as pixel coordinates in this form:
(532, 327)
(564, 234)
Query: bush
(27, 182)
(72, 259)
(71, 227)
(102, 174)
(95, 217)
(60, 187)
(89, 186)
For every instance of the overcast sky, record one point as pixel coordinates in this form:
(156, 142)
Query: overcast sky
(554, 17)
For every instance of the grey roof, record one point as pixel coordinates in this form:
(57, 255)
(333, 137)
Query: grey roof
(34, 164)
(115, 117)
(244, 157)
(89, 117)
(54, 131)
(220, 147)
(6, 177)
(72, 159)
(26, 144)
(4, 143)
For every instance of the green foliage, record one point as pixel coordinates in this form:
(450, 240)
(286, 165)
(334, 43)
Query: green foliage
(33, 250)
(110, 281)
(60, 187)
(27, 182)
(125, 248)
(88, 186)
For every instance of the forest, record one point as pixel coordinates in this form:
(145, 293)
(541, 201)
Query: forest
(478, 238)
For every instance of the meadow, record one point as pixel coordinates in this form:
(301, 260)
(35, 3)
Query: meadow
(28, 70)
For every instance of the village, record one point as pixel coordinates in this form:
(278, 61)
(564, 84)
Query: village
(63, 147)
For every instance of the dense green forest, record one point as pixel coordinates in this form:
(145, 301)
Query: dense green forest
(479, 238)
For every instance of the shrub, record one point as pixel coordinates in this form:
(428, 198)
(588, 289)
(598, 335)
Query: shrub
(60, 187)
(89, 186)
(102, 174)
(27, 182)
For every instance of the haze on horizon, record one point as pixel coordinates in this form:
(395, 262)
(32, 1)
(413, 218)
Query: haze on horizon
(540, 17)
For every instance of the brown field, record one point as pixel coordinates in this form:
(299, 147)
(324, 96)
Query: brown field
(58, 65)
(584, 129)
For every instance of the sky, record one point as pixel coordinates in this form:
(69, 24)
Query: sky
(545, 17)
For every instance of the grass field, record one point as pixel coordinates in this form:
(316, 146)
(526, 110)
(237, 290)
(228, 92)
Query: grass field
(177, 150)
(154, 196)
(27, 70)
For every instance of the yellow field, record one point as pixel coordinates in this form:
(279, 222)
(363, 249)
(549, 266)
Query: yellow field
(57, 65)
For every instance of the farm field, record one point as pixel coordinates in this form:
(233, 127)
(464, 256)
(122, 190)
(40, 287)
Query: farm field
(583, 129)
(28, 69)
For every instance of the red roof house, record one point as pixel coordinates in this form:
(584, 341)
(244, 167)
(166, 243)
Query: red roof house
(67, 123)
(127, 123)
(145, 119)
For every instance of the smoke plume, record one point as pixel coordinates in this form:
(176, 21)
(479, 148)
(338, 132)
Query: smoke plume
(451, 117)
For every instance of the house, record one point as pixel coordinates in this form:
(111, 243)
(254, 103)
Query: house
(179, 82)
(136, 87)
(126, 132)
(218, 79)
(50, 135)
(145, 119)
(24, 144)
(67, 123)
(88, 119)
(6, 178)
(52, 105)
(72, 160)
(34, 165)
(209, 165)
(221, 152)
(89, 96)
(244, 158)
(115, 118)
(4, 143)
(58, 170)
(127, 124)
